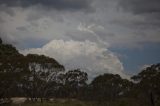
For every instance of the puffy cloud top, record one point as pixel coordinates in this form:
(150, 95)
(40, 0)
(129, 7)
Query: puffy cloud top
(88, 56)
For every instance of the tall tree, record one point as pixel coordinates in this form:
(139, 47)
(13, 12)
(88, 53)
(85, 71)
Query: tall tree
(74, 81)
(109, 87)
(12, 69)
(43, 71)
(149, 83)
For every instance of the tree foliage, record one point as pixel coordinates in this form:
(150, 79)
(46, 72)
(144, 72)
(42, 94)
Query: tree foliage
(38, 76)
(12, 68)
(74, 81)
(149, 83)
(110, 87)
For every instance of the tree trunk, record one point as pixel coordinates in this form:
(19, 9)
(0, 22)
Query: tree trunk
(152, 99)
(41, 100)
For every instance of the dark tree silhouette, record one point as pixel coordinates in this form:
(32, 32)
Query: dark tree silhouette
(74, 81)
(12, 69)
(149, 83)
(43, 71)
(109, 87)
(1, 41)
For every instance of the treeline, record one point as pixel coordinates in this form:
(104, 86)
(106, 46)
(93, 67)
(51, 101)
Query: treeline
(41, 77)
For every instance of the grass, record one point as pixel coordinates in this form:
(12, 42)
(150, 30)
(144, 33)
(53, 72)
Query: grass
(61, 102)
(57, 103)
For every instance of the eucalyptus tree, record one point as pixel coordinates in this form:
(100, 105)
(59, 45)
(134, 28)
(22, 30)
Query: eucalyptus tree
(109, 87)
(148, 84)
(12, 69)
(43, 71)
(75, 80)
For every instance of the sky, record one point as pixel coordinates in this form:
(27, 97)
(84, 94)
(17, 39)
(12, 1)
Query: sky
(97, 36)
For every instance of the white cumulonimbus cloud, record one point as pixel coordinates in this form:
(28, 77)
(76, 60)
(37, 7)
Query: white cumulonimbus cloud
(86, 55)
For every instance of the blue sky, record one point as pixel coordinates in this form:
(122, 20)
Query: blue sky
(98, 36)
(134, 59)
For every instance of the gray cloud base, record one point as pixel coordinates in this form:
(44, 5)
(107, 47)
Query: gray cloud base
(50, 4)
(141, 6)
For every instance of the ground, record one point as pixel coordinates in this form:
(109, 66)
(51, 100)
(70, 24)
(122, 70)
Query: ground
(74, 102)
